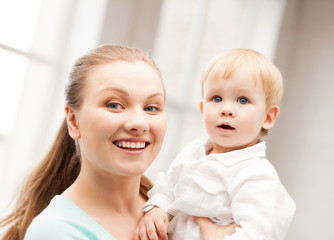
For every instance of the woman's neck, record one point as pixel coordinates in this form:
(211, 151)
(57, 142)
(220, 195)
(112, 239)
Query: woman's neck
(116, 193)
(114, 202)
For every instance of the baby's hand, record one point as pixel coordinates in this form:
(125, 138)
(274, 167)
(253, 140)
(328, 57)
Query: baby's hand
(153, 226)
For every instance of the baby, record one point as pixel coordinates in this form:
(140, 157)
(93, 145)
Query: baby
(227, 177)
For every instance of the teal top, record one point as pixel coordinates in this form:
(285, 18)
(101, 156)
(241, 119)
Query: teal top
(62, 219)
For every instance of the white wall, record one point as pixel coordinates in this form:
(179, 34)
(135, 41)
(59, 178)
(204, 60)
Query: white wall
(302, 143)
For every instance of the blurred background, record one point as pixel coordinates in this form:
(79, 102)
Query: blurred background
(40, 40)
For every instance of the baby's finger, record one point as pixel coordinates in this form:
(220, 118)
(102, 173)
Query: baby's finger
(151, 231)
(142, 233)
(161, 227)
(136, 235)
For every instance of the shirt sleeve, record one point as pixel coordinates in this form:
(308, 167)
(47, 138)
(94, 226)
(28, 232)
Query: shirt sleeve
(161, 194)
(260, 204)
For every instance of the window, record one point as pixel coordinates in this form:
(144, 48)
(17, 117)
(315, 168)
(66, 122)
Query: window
(39, 40)
(15, 41)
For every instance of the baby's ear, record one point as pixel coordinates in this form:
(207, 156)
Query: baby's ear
(201, 106)
(271, 116)
(72, 123)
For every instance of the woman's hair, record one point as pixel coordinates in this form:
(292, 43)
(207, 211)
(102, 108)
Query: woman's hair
(224, 65)
(61, 166)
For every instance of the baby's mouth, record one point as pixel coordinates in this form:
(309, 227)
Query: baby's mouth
(131, 145)
(226, 127)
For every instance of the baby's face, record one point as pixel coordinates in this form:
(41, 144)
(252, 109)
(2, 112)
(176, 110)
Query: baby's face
(234, 111)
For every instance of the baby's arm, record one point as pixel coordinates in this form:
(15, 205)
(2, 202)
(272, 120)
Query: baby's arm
(153, 225)
(260, 203)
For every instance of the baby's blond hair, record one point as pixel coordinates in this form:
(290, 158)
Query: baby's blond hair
(224, 65)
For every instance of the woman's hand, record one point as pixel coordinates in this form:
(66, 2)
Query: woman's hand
(212, 231)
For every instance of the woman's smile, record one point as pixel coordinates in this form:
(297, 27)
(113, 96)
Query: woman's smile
(131, 144)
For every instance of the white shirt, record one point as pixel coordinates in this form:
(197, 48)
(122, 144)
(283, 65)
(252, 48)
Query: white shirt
(239, 186)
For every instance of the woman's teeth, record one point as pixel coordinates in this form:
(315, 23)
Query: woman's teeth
(132, 145)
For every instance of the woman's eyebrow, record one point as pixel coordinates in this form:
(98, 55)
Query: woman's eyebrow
(125, 93)
(114, 89)
(155, 95)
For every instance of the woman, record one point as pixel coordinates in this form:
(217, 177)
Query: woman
(90, 184)
(114, 128)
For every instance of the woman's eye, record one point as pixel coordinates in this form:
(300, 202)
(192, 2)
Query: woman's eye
(151, 109)
(113, 105)
(243, 100)
(217, 99)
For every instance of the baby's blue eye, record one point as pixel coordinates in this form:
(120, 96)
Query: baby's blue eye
(243, 100)
(217, 99)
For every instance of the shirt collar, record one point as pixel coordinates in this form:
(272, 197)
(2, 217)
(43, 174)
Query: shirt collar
(256, 151)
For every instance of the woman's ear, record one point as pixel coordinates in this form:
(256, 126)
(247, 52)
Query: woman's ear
(72, 123)
(271, 116)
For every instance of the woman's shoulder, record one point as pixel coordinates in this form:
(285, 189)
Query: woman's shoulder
(62, 219)
(56, 221)
(46, 227)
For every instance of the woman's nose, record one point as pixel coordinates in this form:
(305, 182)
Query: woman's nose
(137, 122)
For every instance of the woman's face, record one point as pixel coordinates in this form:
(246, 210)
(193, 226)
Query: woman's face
(121, 122)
